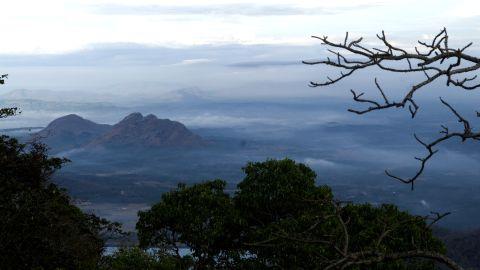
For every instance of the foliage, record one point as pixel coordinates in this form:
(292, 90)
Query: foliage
(273, 190)
(201, 217)
(279, 218)
(138, 259)
(40, 227)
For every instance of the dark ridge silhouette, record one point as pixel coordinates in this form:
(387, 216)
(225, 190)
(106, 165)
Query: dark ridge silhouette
(135, 130)
(70, 131)
(148, 131)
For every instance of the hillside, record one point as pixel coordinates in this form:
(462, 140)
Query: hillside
(70, 131)
(135, 130)
(147, 131)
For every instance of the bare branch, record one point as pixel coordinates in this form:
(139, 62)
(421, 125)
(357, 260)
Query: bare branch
(464, 135)
(435, 59)
(437, 53)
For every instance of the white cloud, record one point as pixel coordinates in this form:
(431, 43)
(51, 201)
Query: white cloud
(318, 162)
(217, 120)
(241, 9)
(425, 203)
(195, 61)
(54, 26)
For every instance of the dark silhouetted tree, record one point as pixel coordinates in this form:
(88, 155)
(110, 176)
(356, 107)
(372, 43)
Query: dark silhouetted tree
(279, 218)
(40, 228)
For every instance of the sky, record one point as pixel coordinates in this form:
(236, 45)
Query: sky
(63, 26)
(138, 51)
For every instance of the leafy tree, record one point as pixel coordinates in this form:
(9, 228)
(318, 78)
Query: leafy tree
(138, 259)
(130, 259)
(280, 197)
(279, 218)
(274, 190)
(201, 217)
(40, 227)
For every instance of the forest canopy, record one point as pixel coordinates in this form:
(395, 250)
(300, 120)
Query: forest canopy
(280, 218)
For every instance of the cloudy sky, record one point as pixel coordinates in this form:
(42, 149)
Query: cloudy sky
(60, 26)
(145, 50)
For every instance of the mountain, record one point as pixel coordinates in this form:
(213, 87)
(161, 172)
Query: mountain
(137, 130)
(462, 246)
(70, 131)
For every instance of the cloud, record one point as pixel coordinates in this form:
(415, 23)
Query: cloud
(70, 152)
(257, 64)
(131, 54)
(243, 9)
(194, 61)
(219, 120)
(320, 162)
(425, 203)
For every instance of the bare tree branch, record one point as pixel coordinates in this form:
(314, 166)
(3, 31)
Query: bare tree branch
(351, 56)
(435, 59)
(464, 135)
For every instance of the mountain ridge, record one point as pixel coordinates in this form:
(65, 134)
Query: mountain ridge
(70, 131)
(148, 131)
(135, 130)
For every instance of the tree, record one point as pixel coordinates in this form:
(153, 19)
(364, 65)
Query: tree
(279, 218)
(40, 228)
(138, 259)
(274, 190)
(435, 60)
(201, 217)
(279, 198)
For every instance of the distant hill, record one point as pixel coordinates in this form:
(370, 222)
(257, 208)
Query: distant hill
(70, 131)
(135, 130)
(463, 247)
(149, 131)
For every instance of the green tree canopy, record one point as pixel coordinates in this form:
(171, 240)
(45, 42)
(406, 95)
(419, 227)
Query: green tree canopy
(280, 218)
(39, 226)
(201, 217)
(138, 259)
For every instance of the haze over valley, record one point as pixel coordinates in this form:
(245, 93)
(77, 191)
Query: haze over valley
(120, 166)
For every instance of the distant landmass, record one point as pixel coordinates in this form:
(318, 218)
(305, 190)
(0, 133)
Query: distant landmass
(462, 246)
(148, 131)
(135, 130)
(70, 131)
